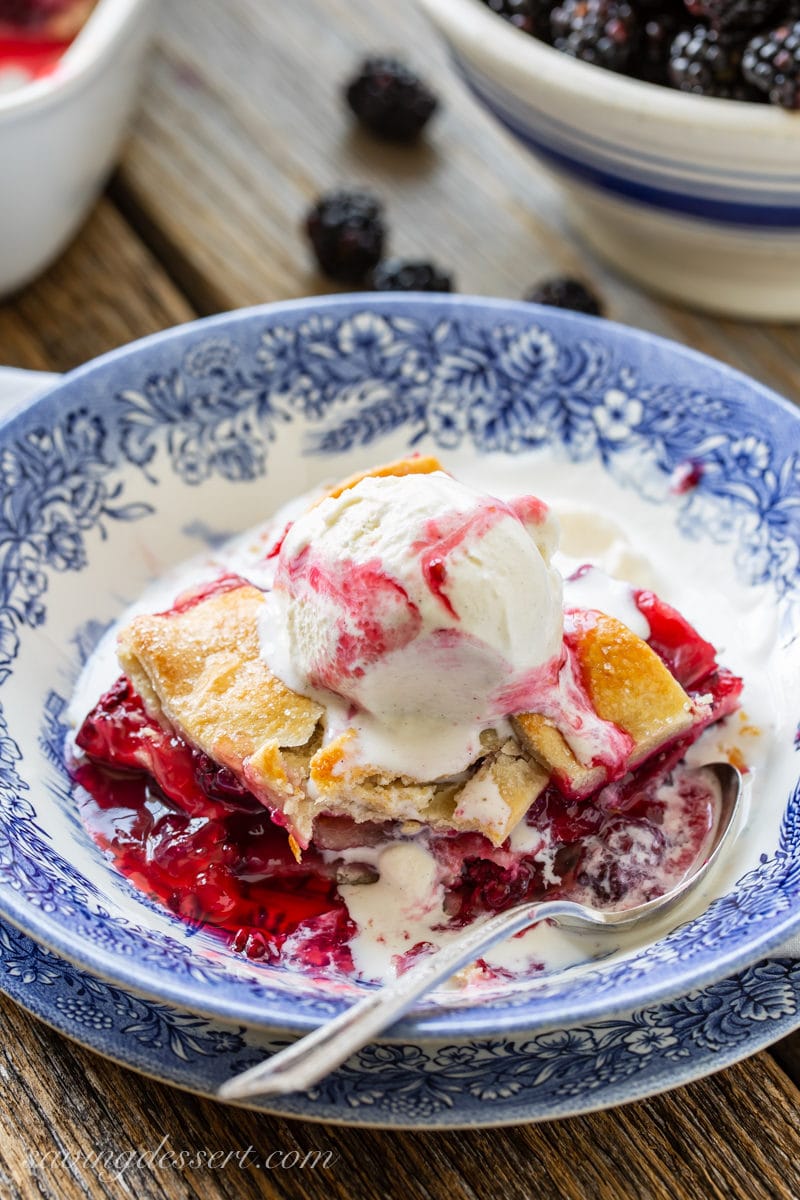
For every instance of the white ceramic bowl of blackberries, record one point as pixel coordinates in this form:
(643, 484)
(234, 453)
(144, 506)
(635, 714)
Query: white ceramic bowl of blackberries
(673, 127)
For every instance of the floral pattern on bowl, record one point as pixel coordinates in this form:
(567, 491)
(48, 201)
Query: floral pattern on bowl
(220, 420)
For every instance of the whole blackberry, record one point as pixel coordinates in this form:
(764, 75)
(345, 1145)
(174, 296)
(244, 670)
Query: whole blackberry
(772, 64)
(410, 275)
(563, 292)
(705, 62)
(735, 16)
(390, 99)
(347, 234)
(602, 32)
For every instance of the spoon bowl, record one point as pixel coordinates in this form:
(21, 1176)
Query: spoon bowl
(302, 1064)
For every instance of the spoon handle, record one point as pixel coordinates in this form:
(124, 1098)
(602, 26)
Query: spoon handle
(314, 1056)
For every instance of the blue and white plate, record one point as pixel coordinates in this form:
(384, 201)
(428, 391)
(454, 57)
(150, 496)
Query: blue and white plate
(455, 1082)
(135, 461)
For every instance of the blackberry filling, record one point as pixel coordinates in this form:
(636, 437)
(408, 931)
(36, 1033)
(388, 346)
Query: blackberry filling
(187, 833)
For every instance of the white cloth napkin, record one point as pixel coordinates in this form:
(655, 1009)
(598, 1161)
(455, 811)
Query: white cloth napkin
(18, 387)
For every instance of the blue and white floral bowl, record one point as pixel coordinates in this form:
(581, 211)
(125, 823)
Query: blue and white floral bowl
(133, 462)
(694, 198)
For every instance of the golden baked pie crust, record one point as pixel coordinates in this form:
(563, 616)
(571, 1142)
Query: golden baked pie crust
(628, 685)
(200, 671)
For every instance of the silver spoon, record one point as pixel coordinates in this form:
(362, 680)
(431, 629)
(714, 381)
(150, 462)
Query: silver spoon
(314, 1056)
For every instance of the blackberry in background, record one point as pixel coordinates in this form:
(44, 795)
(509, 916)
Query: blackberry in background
(601, 32)
(390, 99)
(706, 63)
(735, 16)
(697, 46)
(409, 275)
(564, 292)
(347, 234)
(531, 16)
(771, 63)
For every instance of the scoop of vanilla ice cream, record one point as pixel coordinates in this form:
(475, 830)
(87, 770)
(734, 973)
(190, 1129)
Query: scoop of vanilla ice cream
(419, 602)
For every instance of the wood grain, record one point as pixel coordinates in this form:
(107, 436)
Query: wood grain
(241, 127)
(106, 290)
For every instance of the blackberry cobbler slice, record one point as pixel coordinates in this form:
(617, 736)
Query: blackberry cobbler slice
(245, 803)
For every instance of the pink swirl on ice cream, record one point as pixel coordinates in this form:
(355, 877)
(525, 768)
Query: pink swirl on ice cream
(418, 601)
(373, 614)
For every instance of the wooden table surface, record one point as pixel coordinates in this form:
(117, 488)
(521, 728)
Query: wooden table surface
(241, 125)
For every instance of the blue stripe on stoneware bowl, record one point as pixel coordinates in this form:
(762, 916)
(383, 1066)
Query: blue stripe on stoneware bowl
(127, 462)
(555, 142)
(642, 162)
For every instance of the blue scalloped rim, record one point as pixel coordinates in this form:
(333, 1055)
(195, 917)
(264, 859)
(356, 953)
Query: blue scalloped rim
(210, 399)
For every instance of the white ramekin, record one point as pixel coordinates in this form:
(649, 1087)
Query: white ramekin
(59, 137)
